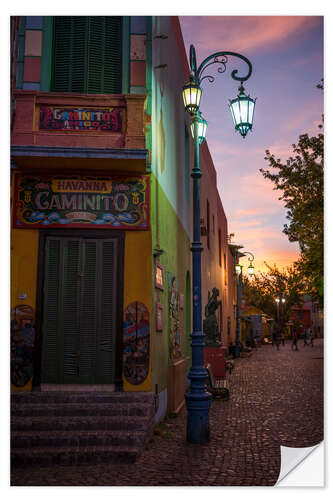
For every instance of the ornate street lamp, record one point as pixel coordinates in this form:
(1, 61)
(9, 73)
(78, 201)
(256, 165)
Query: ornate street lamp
(242, 110)
(250, 269)
(198, 400)
(202, 128)
(278, 300)
(239, 273)
(191, 96)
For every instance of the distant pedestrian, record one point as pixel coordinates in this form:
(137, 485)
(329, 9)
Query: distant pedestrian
(294, 339)
(276, 338)
(311, 337)
(305, 338)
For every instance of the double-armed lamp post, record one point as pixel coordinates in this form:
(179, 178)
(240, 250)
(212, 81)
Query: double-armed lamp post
(278, 300)
(239, 274)
(198, 400)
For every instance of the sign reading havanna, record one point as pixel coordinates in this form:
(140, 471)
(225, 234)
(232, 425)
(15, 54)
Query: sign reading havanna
(82, 202)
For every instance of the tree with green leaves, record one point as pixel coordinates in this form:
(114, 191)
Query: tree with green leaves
(301, 182)
(262, 289)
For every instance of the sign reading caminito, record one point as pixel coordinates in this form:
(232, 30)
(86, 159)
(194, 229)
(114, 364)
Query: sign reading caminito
(106, 119)
(81, 202)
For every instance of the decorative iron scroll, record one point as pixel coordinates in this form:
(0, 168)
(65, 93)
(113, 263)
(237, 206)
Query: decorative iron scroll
(220, 58)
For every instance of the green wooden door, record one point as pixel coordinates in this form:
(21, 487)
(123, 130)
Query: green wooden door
(79, 311)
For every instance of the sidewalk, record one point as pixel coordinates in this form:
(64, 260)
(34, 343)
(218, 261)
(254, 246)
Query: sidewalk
(276, 399)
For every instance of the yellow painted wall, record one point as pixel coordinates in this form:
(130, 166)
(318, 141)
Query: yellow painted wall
(137, 276)
(137, 285)
(251, 310)
(24, 257)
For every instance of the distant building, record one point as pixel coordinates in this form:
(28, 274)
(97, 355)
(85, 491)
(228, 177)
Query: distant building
(309, 315)
(260, 322)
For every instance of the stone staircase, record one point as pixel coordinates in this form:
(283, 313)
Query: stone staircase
(68, 428)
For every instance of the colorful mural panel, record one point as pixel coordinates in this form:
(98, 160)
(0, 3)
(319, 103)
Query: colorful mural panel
(136, 338)
(174, 319)
(121, 203)
(104, 119)
(22, 337)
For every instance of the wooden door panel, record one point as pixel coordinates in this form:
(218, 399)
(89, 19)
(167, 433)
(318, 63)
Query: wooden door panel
(79, 315)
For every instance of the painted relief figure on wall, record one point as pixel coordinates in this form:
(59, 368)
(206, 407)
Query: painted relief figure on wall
(174, 319)
(210, 325)
(22, 336)
(136, 335)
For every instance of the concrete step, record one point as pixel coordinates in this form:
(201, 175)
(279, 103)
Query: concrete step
(45, 439)
(46, 456)
(79, 427)
(57, 397)
(79, 409)
(72, 423)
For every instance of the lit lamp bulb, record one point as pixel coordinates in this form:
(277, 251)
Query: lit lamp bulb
(238, 268)
(250, 269)
(242, 110)
(191, 96)
(277, 300)
(202, 128)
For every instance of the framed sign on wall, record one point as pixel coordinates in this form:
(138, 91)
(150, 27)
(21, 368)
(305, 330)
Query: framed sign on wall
(159, 276)
(81, 201)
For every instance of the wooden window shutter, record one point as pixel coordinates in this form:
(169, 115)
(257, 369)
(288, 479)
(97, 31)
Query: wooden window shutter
(113, 55)
(88, 312)
(51, 311)
(87, 54)
(69, 54)
(107, 323)
(70, 312)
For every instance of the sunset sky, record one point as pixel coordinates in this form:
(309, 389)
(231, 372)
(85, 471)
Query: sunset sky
(287, 58)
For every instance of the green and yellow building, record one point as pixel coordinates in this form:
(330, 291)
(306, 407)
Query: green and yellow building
(101, 206)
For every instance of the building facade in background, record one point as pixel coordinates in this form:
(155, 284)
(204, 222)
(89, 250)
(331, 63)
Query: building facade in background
(101, 155)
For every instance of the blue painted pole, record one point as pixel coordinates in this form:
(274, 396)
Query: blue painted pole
(198, 400)
(238, 313)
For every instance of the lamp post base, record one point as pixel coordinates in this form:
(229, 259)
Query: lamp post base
(198, 405)
(237, 351)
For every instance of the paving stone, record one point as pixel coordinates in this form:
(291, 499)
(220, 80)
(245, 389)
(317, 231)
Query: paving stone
(276, 399)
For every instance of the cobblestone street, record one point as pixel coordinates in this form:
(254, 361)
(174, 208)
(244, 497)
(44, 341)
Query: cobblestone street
(276, 399)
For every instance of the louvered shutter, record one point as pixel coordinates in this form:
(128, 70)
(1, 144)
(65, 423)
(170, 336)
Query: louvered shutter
(69, 54)
(112, 63)
(87, 54)
(70, 310)
(79, 312)
(51, 312)
(96, 54)
(107, 318)
(88, 313)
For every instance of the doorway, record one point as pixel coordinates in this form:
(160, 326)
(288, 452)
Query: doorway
(81, 308)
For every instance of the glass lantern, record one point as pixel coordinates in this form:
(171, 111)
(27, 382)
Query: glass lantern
(191, 96)
(242, 110)
(250, 269)
(202, 128)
